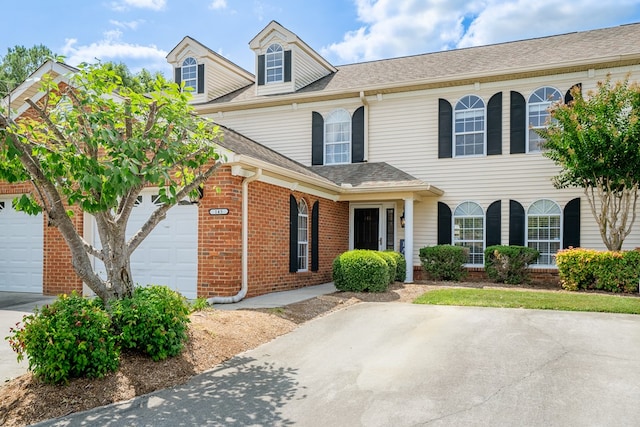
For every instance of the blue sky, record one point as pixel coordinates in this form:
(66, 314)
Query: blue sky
(140, 33)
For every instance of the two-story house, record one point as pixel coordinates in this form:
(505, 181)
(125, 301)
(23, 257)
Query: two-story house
(392, 154)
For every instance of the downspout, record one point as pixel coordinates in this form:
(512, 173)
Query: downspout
(365, 103)
(245, 244)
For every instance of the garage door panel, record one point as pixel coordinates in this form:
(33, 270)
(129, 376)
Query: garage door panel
(169, 255)
(21, 252)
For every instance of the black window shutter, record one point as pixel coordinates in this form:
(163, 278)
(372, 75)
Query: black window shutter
(293, 234)
(178, 75)
(200, 78)
(260, 69)
(571, 231)
(357, 136)
(315, 236)
(516, 223)
(444, 224)
(287, 65)
(568, 97)
(445, 129)
(518, 123)
(317, 139)
(494, 223)
(494, 125)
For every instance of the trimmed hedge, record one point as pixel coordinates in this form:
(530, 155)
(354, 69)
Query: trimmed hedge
(70, 338)
(361, 270)
(392, 265)
(153, 321)
(508, 264)
(444, 262)
(602, 270)
(401, 263)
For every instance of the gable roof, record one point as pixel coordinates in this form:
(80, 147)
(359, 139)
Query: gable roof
(578, 51)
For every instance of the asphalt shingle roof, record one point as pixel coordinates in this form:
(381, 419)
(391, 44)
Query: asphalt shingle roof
(551, 52)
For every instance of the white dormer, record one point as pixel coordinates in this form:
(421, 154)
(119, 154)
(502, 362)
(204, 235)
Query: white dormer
(284, 63)
(208, 73)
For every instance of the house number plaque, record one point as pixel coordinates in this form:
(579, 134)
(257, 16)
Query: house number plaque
(219, 211)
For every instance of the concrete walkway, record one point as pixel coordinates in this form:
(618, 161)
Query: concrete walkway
(280, 299)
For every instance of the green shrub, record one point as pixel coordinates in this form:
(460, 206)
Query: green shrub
(361, 270)
(153, 321)
(401, 266)
(444, 262)
(70, 338)
(199, 304)
(392, 265)
(509, 264)
(603, 270)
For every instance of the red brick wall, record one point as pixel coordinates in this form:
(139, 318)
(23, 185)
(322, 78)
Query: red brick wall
(58, 275)
(220, 250)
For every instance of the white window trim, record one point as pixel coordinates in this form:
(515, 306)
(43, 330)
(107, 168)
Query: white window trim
(267, 67)
(195, 79)
(484, 127)
(529, 126)
(325, 143)
(303, 256)
(484, 229)
(526, 242)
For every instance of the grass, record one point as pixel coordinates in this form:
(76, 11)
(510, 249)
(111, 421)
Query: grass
(532, 300)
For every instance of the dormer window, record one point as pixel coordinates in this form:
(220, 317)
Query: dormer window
(190, 73)
(274, 64)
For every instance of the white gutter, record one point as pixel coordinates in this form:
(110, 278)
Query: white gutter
(245, 244)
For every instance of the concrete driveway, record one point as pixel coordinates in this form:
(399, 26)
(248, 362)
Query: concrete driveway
(13, 306)
(390, 364)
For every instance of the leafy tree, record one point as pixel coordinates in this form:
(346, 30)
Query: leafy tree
(596, 142)
(96, 149)
(141, 82)
(19, 63)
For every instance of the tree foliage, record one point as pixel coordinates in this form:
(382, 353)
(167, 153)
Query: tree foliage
(96, 144)
(19, 63)
(595, 140)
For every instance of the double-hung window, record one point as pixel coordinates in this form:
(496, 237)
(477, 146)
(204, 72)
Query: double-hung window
(538, 113)
(190, 73)
(468, 231)
(469, 126)
(543, 230)
(337, 138)
(303, 236)
(274, 64)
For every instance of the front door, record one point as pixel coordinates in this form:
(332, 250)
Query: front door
(366, 228)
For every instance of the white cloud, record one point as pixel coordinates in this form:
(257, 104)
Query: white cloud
(392, 28)
(132, 25)
(113, 49)
(218, 4)
(140, 4)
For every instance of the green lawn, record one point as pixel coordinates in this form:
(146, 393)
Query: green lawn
(534, 300)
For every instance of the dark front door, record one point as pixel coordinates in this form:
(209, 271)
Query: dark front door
(366, 226)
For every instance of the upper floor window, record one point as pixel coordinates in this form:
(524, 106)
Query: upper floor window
(274, 64)
(190, 73)
(543, 230)
(337, 138)
(538, 113)
(303, 236)
(468, 231)
(469, 126)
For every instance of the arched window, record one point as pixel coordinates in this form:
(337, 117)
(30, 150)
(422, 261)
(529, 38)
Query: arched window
(337, 138)
(274, 64)
(543, 230)
(469, 126)
(190, 73)
(468, 231)
(538, 113)
(303, 236)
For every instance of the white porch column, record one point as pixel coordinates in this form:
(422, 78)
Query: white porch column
(408, 238)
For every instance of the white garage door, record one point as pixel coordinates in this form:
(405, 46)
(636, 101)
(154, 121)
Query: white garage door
(169, 255)
(21, 250)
